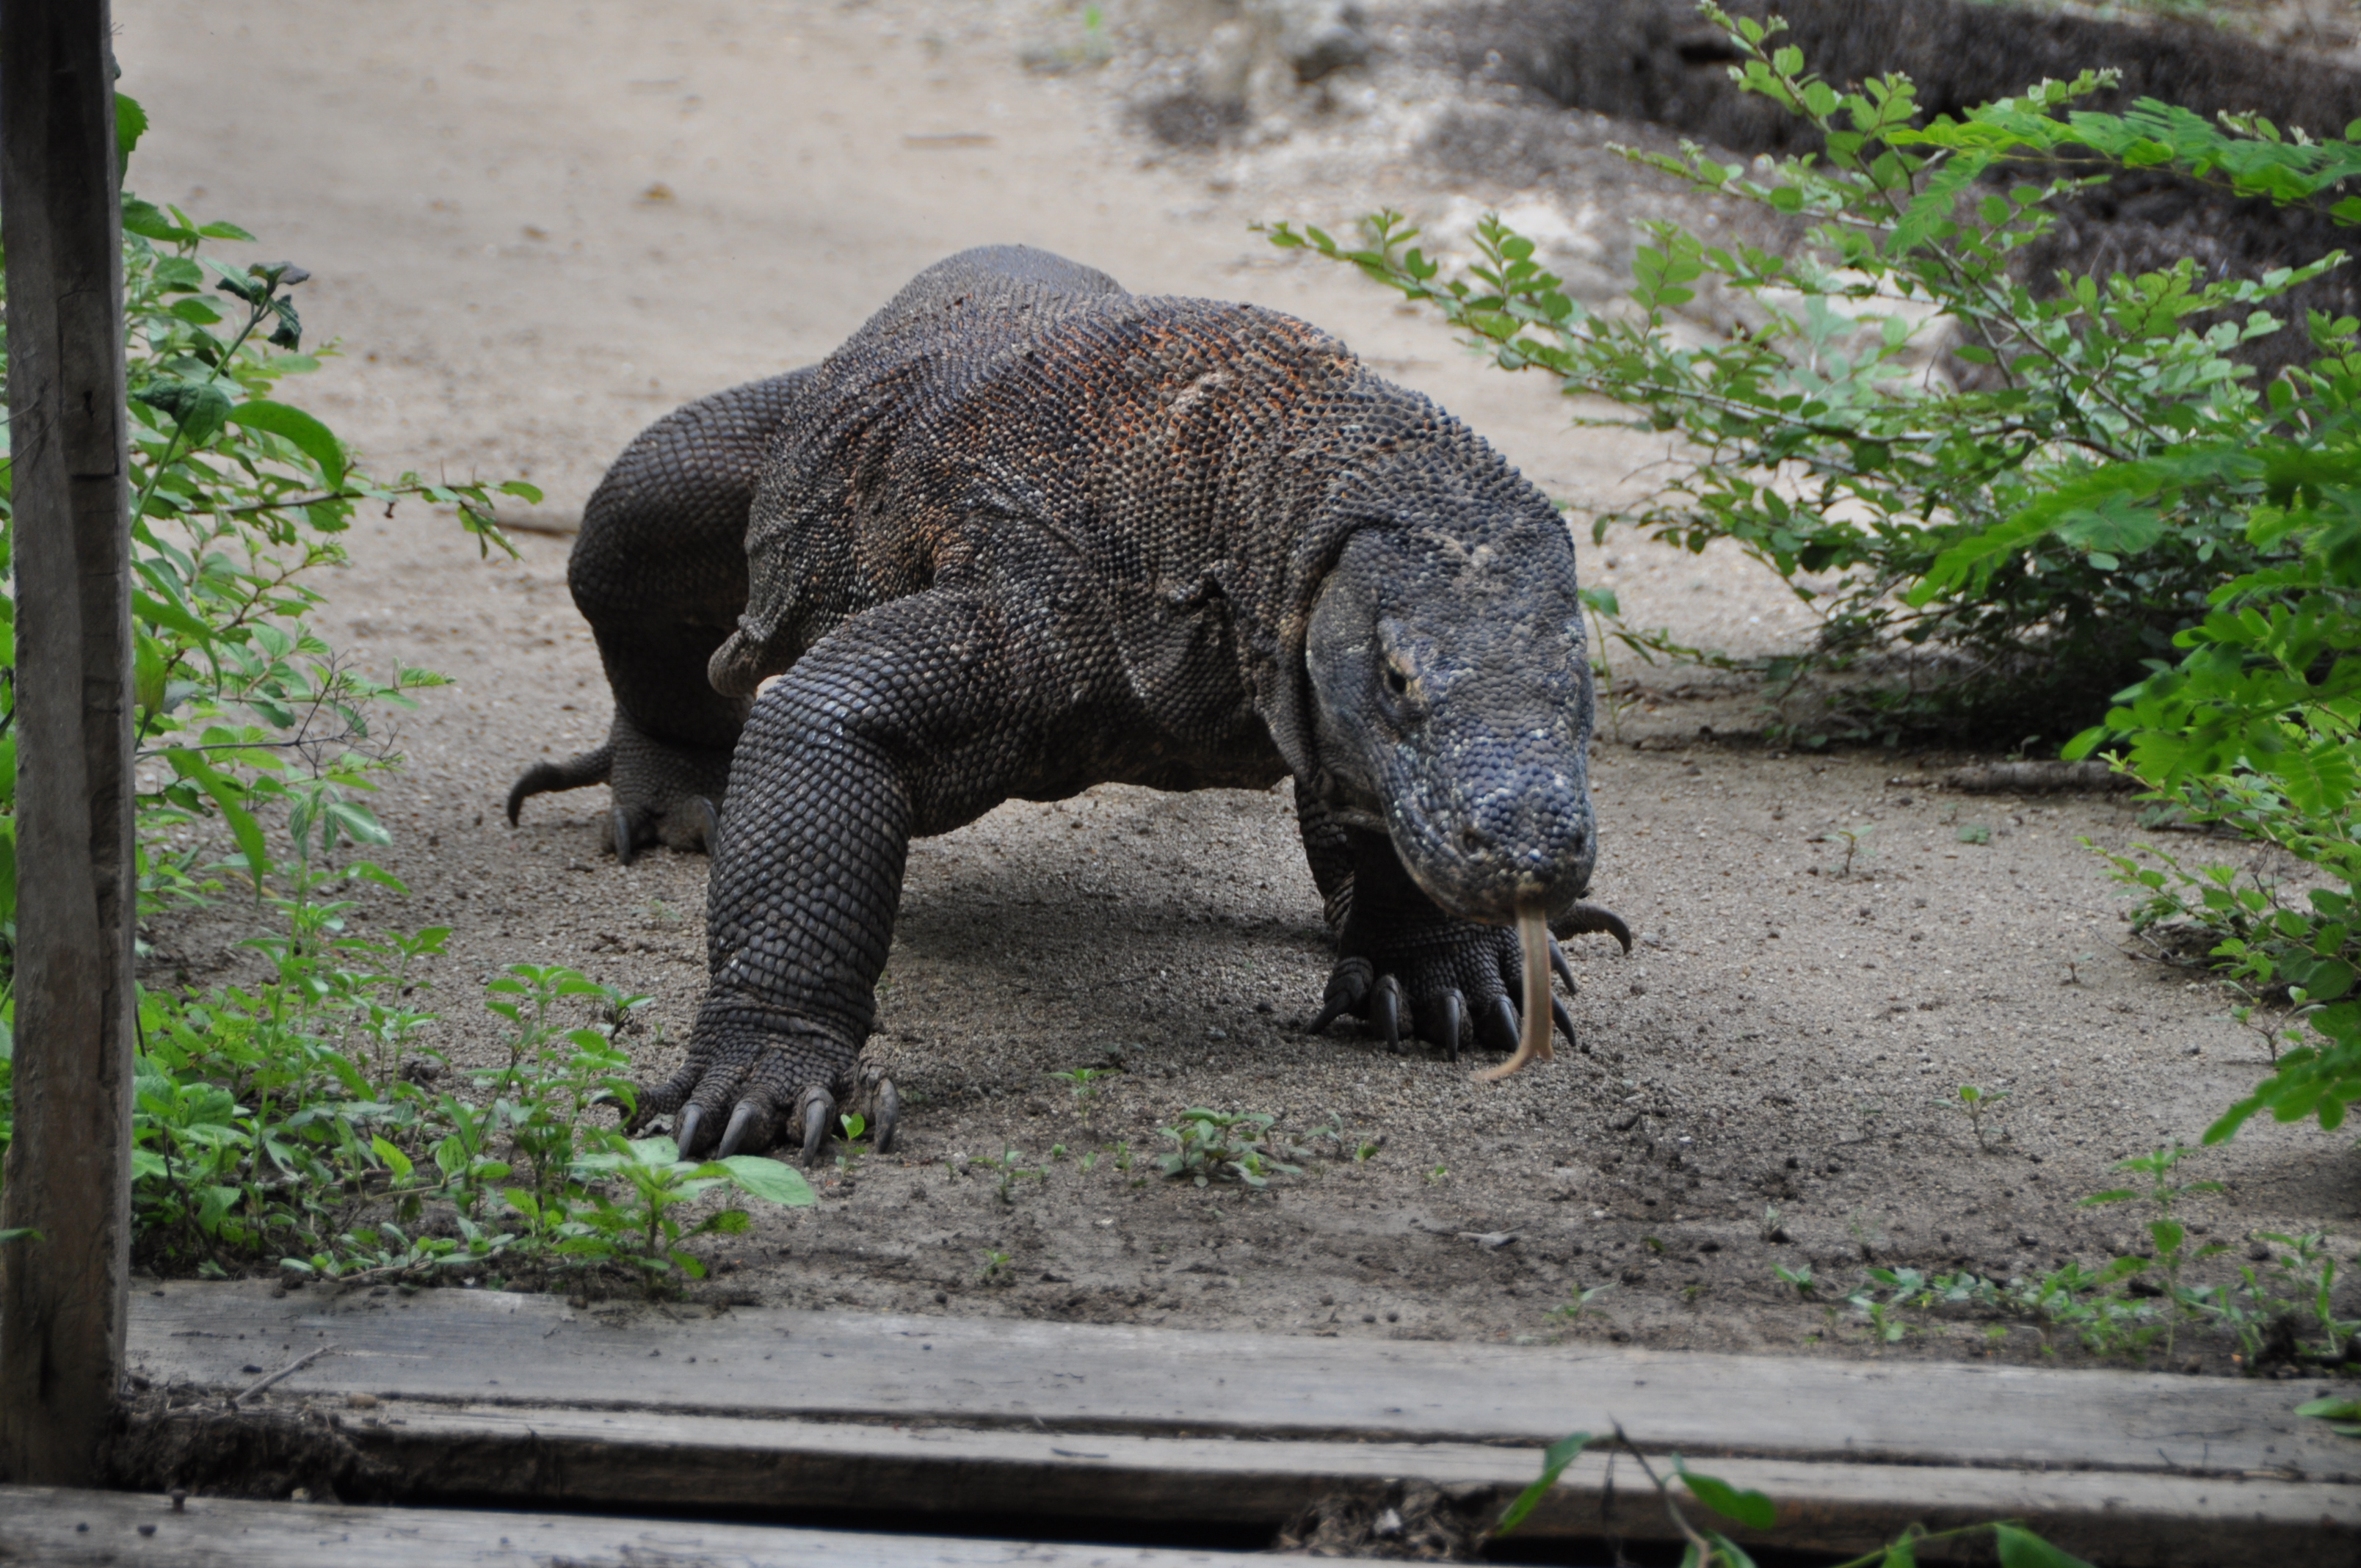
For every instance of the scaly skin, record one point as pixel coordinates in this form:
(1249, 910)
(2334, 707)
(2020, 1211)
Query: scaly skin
(1026, 533)
(659, 571)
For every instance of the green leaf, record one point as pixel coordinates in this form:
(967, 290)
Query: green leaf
(230, 797)
(197, 407)
(1726, 1553)
(395, 1161)
(149, 221)
(2345, 1414)
(2116, 526)
(724, 1223)
(153, 611)
(769, 1180)
(130, 124)
(310, 437)
(2020, 1548)
(148, 666)
(1749, 1508)
(1555, 1459)
(358, 822)
(178, 273)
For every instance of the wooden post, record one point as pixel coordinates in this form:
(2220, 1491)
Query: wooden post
(63, 1297)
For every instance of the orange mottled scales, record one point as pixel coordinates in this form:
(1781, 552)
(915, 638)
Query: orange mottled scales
(1024, 533)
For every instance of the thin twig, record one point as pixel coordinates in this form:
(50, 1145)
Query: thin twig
(260, 1384)
(1706, 1553)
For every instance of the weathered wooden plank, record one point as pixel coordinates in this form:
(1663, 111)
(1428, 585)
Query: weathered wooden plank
(473, 1346)
(69, 1175)
(624, 1458)
(86, 1529)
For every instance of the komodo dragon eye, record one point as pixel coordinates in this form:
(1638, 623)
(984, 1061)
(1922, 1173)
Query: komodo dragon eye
(1397, 678)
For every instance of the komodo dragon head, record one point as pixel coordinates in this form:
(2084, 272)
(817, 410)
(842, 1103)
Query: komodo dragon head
(1453, 712)
(1452, 700)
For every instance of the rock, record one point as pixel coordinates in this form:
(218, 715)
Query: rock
(1316, 36)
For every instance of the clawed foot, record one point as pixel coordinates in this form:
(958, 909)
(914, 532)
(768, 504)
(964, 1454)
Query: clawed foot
(758, 1094)
(690, 824)
(1466, 999)
(664, 792)
(1453, 985)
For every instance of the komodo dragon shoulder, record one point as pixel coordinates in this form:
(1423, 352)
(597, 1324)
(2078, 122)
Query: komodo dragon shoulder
(1024, 533)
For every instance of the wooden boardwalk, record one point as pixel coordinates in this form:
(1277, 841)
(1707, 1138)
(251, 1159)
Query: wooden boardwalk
(526, 1401)
(58, 1528)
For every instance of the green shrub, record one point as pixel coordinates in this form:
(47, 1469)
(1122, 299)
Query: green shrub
(238, 500)
(298, 1121)
(2104, 503)
(2255, 728)
(1898, 393)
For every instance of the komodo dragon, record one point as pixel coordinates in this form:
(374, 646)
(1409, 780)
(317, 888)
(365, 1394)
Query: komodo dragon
(1026, 533)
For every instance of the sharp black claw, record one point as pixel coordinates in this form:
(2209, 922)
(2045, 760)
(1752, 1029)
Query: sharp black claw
(820, 1114)
(1347, 989)
(741, 1120)
(711, 820)
(620, 826)
(1564, 970)
(1564, 1021)
(889, 1116)
(1440, 1024)
(1497, 1027)
(1386, 1013)
(685, 1131)
(1585, 917)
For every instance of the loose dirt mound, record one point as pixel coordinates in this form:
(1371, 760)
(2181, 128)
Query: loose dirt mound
(536, 227)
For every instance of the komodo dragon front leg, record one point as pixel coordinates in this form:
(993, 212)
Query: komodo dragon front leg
(1405, 966)
(910, 720)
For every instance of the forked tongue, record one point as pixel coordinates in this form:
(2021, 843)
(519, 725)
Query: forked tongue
(1532, 938)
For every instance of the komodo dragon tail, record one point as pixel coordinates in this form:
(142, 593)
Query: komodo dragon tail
(543, 778)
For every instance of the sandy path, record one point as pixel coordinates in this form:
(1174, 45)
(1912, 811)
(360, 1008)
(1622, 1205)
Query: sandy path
(471, 186)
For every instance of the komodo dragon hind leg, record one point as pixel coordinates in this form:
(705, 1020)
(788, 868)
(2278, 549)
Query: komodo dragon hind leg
(664, 792)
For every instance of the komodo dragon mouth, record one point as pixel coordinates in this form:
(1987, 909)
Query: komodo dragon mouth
(1024, 533)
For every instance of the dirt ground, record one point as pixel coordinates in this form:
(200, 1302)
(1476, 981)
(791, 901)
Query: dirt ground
(535, 226)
